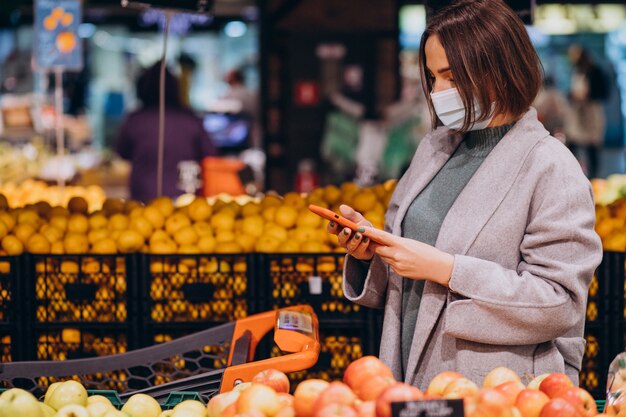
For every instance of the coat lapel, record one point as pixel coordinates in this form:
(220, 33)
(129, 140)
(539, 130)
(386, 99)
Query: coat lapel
(478, 202)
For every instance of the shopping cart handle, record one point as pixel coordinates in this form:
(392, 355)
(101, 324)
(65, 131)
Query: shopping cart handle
(296, 330)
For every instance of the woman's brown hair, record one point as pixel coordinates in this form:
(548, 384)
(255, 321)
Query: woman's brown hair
(490, 56)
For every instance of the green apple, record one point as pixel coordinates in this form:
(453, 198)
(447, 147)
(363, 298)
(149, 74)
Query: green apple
(115, 413)
(167, 413)
(190, 408)
(47, 410)
(72, 410)
(19, 403)
(142, 405)
(68, 392)
(99, 408)
(50, 390)
(98, 399)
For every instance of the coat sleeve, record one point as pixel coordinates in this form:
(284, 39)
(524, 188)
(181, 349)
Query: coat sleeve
(546, 296)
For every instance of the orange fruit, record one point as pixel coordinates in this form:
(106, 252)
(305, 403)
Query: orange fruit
(66, 42)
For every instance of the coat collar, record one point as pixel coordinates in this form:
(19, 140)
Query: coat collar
(470, 212)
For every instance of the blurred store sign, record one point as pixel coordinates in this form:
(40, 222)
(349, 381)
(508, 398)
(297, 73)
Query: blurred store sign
(195, 6)
(307, 93)
(57, 44)
(565, 19)
(180, 23)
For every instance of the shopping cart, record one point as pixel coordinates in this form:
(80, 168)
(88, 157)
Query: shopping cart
(206, 362)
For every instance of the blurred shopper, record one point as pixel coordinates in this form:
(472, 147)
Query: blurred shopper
(489, 246)
(184, 140)
(247, 102)
(586, 124)
(552, 108)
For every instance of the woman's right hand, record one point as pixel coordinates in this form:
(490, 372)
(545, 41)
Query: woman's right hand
(355, 244)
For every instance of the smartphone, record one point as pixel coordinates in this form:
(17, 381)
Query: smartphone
(334, 217)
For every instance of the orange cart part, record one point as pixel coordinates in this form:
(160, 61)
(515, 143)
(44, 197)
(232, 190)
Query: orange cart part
(304, 346)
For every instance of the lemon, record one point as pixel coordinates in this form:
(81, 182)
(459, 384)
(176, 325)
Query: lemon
(271, 200)
(130, 241)
(29, 216)
(267, 244)
(24, 231)
(332, 194)
(141, 225)
(186, 236)
(294, 200)
(7, 219)
(364, 201)
(78, 223)
(164, 205)
(253, 225)
(286, 216)
(59, 211)
(78, 205)
(75, 243)
(224, 236)
(163, 247)
(228, 247)
(136, 212)
(246, 242)
(51, 233)
(314, 247)
(56, 248)
(250, 209)
(38, 243)
(98, 221)
(188, 249)
(307, 218)
(12, 245)
(154, 216)
(60, 222)
(104, 246)
(223, 220)
(206, 244)
(4, 230)
(132, 205)
(176, 222)
(96, 235)
(275, 231)
(160, 235)
(199, 210)
(118, 221)
(269, 213)
(203, 229)
(305, 234)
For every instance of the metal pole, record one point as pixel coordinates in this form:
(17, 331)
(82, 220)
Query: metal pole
(58, 104)
(168, 17)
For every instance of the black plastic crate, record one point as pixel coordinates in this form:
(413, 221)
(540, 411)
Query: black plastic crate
(61, 342)
(598, 351)
(198, 288)
(313, 279)
(11, 300)
(9, 346)
(81, 288)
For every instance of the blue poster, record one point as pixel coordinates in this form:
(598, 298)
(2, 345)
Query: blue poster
(57, 44)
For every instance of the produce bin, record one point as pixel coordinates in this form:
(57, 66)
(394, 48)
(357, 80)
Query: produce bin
(11, 308)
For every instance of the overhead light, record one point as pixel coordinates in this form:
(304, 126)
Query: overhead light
(566, 19)
(235, 29)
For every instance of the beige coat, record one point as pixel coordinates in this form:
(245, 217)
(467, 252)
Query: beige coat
(522, 232)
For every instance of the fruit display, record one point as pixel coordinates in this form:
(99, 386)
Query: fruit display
(33, 191)
(610, 197)
(367, 389)
(84, 224)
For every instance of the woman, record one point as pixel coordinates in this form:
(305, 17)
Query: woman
(489, 246)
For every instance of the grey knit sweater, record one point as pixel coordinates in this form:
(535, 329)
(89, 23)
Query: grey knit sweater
(427, 212)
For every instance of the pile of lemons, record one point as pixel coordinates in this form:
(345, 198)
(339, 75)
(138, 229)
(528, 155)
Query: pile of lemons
(270, 224)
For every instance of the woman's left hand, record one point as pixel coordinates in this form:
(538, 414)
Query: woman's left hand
(410, 258)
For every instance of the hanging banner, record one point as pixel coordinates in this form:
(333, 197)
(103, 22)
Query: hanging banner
(57, 45)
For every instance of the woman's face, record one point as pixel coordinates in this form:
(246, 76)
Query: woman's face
(437, 67)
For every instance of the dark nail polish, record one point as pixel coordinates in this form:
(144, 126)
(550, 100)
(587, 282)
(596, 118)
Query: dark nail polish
(332, 224)
(357, 236)
(346, 232)
(365, 239)
(361, 229)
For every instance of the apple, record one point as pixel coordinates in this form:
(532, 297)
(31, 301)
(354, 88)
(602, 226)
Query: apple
(306, 395)
(558, 407)
(230, 411)
(490, 402)
(439, 383)
(460, 388)
(251, 413)
(190, 407)
(166, 413)
(142, 405)
(72, 410)
(335, 410)
(217, 404)
(370, 389)
(49, 391)
(286, 412)
(99, 408)
(510, 390)
(258, 397)
(285, 400)
(530, 402)
(49, 411)
(272, 378)
(336, 393)
(363, 369)
(66, 393)
(554, 383)
(98, 399)
(581, 399)
(115, 413)
(17, 402)
(536, 381)
(242, 387)
(366, 409)
(500, 375)
(397, 392)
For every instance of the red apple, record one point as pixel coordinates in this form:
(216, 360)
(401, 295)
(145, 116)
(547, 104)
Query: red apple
(499, 376)
(258, 397)
(439, 383)
(581, 399)
(397, 392)
(558, 407)
(285, 399)
(363, 369)
(553, 383)
(335, 410)
(306, 395)
(536, 381)
(230, 410)
(336, 393)
(530, 402)
(286, 412)
(272, 378)
(370, 389)
(510, 390)
(460, 388)
(366, 409)
(491, 403)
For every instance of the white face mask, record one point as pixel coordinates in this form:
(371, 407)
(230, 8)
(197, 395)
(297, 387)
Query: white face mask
(450, 110)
